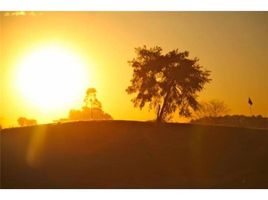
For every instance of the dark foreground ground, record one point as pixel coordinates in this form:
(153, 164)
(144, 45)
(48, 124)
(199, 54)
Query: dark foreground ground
(121, 154)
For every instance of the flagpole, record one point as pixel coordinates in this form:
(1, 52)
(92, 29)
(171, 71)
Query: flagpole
(250, 103)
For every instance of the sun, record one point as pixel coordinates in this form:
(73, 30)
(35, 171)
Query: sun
(52, 78)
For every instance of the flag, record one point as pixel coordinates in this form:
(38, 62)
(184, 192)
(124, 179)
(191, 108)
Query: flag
(250, 102)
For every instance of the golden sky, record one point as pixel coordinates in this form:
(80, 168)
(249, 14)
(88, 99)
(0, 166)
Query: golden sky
(233, 45)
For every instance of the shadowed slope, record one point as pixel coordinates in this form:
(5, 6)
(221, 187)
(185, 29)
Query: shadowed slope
(124, 154)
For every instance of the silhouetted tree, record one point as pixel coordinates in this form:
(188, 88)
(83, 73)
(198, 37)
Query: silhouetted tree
(23, 121)
(91, 100)
(212, 108)
(92, 109)
(167, 82)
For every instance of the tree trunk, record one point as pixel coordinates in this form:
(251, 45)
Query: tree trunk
(160, 114)
(161, 110)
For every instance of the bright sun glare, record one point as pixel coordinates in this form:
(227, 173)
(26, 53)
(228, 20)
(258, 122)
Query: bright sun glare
(52, 78)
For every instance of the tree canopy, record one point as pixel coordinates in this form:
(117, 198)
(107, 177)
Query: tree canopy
(166, 82)
(91, 100)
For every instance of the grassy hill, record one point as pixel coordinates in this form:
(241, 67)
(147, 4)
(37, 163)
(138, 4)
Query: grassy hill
(126, 154)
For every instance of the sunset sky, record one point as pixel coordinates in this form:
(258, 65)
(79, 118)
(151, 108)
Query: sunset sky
(232, 45)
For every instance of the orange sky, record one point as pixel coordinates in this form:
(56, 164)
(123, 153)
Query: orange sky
(233, 45)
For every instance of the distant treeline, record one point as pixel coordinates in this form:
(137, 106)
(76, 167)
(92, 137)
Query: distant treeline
(235, 120)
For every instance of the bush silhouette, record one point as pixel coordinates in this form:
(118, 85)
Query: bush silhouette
(235, 120)
(23, 121)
